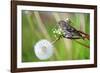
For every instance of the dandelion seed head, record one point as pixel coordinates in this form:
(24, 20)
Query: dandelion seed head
(43, 49)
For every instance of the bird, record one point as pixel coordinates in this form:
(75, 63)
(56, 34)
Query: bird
(69, 31)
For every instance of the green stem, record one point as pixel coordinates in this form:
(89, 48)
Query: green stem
(82, 44)
(55, 40)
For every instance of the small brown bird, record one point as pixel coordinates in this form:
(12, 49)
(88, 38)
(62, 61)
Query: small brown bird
(69, 31)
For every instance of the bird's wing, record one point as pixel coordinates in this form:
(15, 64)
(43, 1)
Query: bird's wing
(68, 30)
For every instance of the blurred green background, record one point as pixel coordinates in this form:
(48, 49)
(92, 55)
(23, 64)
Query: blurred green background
(37, 25)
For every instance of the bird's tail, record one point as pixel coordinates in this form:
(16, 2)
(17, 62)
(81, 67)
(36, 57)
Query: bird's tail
(84, 35)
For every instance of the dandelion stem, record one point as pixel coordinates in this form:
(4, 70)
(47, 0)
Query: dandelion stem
(56, 40)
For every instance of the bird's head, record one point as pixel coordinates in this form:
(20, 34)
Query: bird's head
(62, 23)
